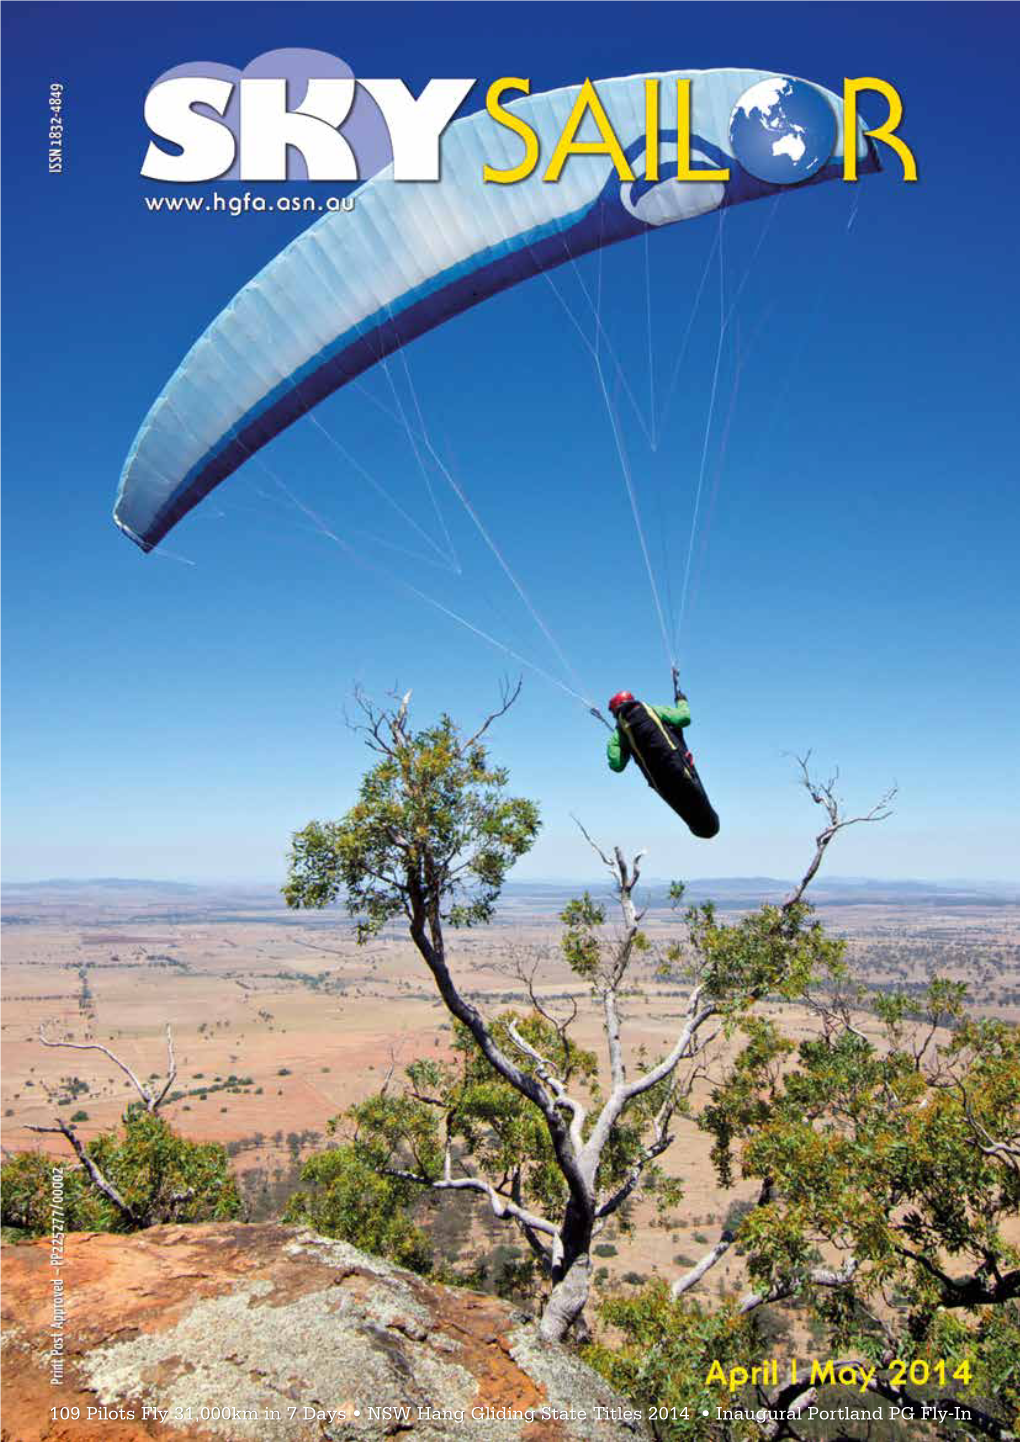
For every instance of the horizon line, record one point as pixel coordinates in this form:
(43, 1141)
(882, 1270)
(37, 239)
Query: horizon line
(759, 878)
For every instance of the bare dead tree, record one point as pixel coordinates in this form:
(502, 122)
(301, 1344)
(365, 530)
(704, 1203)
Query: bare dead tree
(823, 794)
(151, 1098)
(386, 731)
(97, 1178)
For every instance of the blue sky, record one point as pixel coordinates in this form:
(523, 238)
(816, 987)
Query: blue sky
(854, 579)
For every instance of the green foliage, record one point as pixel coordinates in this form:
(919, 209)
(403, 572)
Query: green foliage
(995, 1344)
(465, 1106)
(26, 1183)
(776, 950)
(591, 952)
(666, 1352)
(346, 1197)
(894, 1151)
(160, 1175)
(746, 1097)
(580, 941)
(866, 1146)
(886, 1152)
(164, 1177)
(433, 819)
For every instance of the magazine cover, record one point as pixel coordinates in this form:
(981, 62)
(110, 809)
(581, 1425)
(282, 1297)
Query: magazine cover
(510, 900)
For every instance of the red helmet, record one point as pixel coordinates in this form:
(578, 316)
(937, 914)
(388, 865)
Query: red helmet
(615, 702)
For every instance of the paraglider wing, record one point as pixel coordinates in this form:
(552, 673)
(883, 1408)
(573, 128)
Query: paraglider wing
(356, 286)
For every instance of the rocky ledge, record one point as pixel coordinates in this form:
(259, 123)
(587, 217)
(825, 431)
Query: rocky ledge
(271, 1332)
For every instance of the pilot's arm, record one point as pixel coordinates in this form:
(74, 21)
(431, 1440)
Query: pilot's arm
(678, 715)
(617, 751)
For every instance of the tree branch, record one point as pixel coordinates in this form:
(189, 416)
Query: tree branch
(98, 1180)
(613, 1203)
(625, 879)
(508, 695)
(622, 1095)
(547, 1073)
(816, 1277)
(727, 1238)
(972, 1291)
(502, 1207)
(171, 1071)
(1008, 1150)
(823, 793)
(521, 1081)
(150, 1099)
(526, 977)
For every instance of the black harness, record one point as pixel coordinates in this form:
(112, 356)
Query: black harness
(666, 764)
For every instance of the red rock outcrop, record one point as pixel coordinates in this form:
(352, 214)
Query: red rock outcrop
(270, 1332)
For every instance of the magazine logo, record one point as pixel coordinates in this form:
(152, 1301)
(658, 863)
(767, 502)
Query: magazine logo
(302, 115)
(294, 115)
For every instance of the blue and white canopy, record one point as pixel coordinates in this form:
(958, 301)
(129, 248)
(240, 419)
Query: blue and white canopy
(356, 286)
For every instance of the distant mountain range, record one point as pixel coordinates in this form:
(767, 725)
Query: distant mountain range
(106, 883)
(743, 891)
(169, 899)
(742, 884)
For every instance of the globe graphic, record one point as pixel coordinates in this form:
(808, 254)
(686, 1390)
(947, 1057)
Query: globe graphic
(782, 130)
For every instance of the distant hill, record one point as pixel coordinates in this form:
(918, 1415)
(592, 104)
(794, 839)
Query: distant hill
(102, 883)
(96, 899)
(116, 898)
(735, 892)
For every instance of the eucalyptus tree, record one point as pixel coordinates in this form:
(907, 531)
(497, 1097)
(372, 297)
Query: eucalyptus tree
(522, 1116)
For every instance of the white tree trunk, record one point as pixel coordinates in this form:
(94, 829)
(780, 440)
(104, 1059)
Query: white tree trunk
(566, 1300)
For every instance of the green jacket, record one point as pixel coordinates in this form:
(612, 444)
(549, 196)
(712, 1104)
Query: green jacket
(617, 749)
